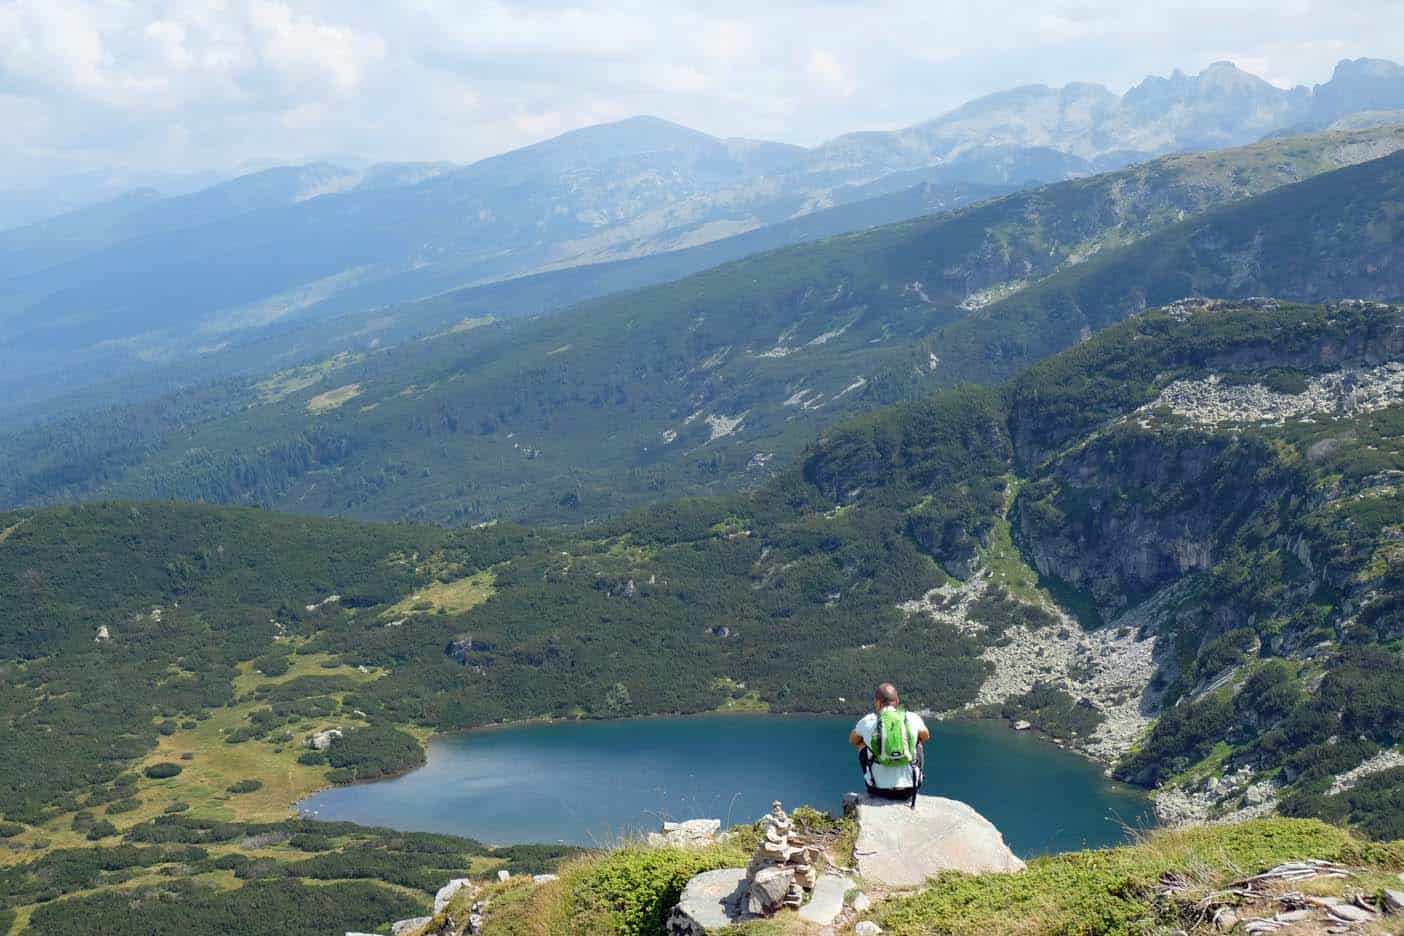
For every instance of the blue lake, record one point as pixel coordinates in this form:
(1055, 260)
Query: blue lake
(592, 782)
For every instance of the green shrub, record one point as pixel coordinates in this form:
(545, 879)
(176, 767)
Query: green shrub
(123, 805)
(245, 786)
(630, 891)
(163, 770)
(10, 829)
(101, 830)
(312, 758)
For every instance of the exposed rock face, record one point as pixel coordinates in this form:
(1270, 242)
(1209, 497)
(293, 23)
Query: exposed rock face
(409, 926)
(713, 899)
(900, 846)
(323, 739)
(1210, 401)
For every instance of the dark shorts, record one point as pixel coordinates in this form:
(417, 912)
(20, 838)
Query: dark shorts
(865, 760)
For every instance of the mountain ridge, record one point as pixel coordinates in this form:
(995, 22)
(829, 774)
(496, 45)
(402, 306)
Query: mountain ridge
(633, 188)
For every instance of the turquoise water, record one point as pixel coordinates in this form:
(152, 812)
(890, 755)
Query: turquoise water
(591, 782)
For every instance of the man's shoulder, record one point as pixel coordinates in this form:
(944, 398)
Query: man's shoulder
(867, 722)
(915, 720)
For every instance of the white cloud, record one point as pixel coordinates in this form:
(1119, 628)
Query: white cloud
(184, 83)
(825, 66)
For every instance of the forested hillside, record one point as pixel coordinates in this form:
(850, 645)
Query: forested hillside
(712, 382)
(1252, 544)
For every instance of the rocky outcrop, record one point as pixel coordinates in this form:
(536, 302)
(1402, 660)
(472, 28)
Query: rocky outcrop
(901, 846)
(450, 890)
(323, 739)
(694, 833)
(460, 648)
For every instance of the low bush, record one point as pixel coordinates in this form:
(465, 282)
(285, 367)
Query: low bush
(163, 770)
(245, 786)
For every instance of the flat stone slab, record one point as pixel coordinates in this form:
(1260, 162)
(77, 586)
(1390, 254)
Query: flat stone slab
(826, 904)
(900, 847)
(712, 900)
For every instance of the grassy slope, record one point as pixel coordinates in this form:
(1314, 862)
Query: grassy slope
(573, 416)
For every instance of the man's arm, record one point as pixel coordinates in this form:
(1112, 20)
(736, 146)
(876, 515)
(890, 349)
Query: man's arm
(923, 733)
(855, 739)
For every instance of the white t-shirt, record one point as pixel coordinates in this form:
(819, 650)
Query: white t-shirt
(888, 777)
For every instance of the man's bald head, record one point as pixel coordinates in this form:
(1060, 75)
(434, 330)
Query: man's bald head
(886, 695)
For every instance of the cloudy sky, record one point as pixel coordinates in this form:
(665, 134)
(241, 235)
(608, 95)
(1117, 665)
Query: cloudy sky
(176, 85)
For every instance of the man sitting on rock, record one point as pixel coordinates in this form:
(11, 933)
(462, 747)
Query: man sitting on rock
(889, 743)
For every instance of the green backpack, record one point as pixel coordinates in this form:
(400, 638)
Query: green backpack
(893, 744)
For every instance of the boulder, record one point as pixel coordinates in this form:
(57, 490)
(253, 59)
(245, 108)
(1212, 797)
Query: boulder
(448, 892)
(1394, 900)
(409, 926)
(544, 878)
(769, 888)
(694, 833)
(867, 928)
(711, 900)
(900, 846)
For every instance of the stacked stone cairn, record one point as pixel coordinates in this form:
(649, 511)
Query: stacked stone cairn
(783, 867)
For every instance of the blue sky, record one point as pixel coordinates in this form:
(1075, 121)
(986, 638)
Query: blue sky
(177, 85)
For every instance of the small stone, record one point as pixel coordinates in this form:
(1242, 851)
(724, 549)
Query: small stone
(543, 878)
(1292, 916)
(1225, 919)
(867, 928)
(1022, 725)
(862, 902)
(475, 923)
(1394, 901)
(1350, 913)
(504, 874)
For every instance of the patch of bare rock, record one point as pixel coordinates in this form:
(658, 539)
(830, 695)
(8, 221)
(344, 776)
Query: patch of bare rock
(1110, 668)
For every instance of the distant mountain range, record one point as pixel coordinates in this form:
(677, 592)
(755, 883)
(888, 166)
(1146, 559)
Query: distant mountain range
(710, 382)
(116, 287)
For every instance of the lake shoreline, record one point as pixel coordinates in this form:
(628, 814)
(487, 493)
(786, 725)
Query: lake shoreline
(598, 778)
(952, 715)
